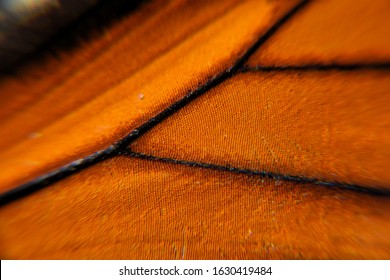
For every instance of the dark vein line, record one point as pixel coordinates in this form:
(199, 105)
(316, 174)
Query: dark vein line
(120, 147)
(213, 82)
(317, 67)
(55, 176)
(265, 174)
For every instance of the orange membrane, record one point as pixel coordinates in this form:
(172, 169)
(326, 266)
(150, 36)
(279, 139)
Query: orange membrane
(126, 208)
(98, 104)
(322, 123)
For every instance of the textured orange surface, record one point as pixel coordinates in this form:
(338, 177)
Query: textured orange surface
(329, 124)
(331, 32)
(324, 124)
(36, 80)
(135, 209)
(139, 75)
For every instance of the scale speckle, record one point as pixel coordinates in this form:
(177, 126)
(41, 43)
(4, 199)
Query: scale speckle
(34, 135)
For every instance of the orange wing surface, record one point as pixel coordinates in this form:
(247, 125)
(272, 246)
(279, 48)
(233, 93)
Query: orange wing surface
(202, 130)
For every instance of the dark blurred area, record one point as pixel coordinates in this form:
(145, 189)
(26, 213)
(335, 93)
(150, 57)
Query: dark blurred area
(26, 24)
